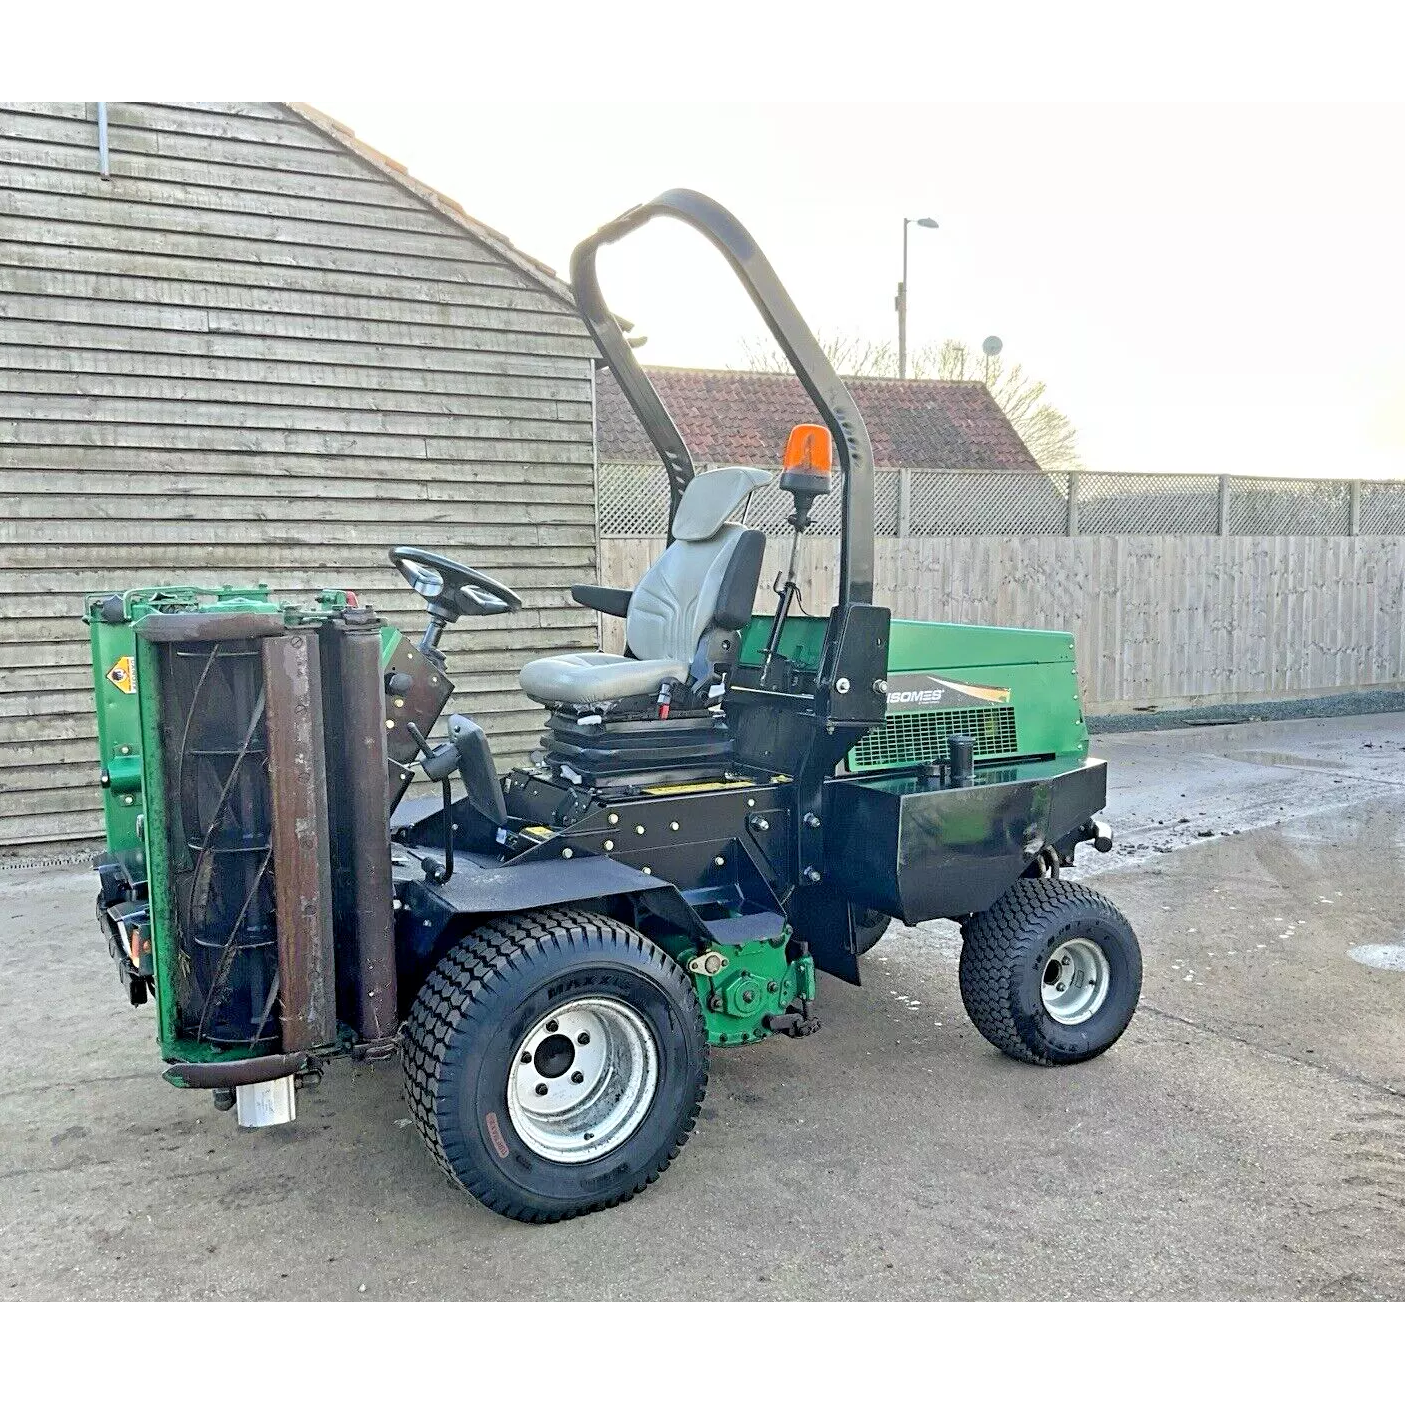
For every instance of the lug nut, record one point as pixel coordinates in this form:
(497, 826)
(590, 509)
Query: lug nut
(771, 987)
(552, 1026)
(541, 1090)
(578, 1077)
(583, 1037)
(526, 1056)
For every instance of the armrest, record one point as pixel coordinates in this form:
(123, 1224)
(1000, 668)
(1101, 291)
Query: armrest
(736, 596)
(606, 598)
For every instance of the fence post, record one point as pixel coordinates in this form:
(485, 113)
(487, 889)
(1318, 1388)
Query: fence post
(1071, 523)
(904, 502)
(1224, 505)
(1353, 528)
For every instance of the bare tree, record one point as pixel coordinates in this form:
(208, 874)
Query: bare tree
(1045, 429)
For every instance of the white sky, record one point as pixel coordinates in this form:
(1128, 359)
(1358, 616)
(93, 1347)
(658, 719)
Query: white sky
(1204, 288)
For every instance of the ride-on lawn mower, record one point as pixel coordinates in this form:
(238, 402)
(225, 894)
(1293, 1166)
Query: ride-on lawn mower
(733, 802)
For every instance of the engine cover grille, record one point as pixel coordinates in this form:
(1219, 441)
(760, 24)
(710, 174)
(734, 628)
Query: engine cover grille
(909, 738)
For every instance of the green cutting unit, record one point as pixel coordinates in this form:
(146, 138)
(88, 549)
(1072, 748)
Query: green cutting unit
(731, 804)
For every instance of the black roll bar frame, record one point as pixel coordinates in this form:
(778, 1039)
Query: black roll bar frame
(829, 394)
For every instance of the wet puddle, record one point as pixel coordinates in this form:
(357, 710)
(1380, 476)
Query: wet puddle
(1287, 758)
(1381, 956)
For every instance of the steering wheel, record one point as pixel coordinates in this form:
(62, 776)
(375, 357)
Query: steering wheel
(453, 590)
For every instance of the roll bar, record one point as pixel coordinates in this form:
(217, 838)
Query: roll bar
(822, 384)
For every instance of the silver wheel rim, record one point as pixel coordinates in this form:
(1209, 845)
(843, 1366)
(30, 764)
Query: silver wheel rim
(1075, 981)
(583, 1079)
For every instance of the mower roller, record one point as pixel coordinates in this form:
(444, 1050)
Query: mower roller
(732, 803)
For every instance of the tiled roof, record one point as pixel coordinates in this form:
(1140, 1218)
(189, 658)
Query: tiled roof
(744, 417)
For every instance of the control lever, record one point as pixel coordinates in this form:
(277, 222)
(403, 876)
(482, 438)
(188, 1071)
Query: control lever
(468, 753)
(436, 769)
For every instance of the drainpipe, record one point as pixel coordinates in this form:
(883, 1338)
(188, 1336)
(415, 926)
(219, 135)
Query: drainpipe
(104, 165)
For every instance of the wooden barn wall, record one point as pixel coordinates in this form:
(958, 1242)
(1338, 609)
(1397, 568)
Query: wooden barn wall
(251, 356)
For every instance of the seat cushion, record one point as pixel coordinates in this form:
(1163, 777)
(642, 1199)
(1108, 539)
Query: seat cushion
(597, 678)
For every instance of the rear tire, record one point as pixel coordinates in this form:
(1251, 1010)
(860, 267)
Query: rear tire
(489, 1032)
(1051, 974)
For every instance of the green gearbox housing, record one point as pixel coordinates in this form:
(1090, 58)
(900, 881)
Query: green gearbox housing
(740, 986)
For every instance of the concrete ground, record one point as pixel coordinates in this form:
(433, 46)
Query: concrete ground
(1246, 1139)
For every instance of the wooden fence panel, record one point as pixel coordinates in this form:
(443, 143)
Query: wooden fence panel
(1158, 620)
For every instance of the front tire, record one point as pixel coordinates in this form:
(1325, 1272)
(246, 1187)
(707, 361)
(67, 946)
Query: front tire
(555, 1063)
(1051, 974)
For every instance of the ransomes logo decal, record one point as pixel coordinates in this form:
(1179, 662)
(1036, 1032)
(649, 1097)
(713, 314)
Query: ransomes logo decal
(911, 691)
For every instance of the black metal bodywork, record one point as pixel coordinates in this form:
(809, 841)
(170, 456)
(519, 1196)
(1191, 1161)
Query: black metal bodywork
(917, 847)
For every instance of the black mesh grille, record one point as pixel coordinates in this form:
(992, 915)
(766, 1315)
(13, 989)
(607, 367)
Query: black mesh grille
(907, 738)
(219, 811)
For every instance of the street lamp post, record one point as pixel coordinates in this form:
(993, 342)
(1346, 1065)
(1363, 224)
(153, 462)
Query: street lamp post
(900, 302)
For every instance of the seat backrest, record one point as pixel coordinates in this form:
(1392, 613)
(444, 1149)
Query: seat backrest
(677, 600)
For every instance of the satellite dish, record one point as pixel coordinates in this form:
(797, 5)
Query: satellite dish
(992, 346)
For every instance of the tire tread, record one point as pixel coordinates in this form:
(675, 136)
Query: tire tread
(989, 952)
(453, 993)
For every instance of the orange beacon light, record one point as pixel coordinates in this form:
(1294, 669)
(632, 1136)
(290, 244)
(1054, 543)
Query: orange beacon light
(805, 466)
(806, 461)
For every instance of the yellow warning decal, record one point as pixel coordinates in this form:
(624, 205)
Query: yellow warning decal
(123, 674)
(693, 786)
(538, 831)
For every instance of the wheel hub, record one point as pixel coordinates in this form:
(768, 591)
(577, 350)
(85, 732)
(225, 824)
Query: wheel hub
(1075, 981)
(554, 1056)
(583, 1079)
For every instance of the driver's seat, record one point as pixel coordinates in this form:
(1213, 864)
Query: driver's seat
(703, 583)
